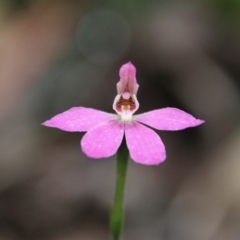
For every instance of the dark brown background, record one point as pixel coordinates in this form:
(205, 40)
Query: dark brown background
(59, 54)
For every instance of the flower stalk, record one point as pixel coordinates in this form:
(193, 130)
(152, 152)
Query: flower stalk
(117, 213)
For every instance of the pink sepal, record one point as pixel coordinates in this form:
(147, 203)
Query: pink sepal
(103, 140)
(168, 119)
(127, 80)
(79, 119)
(145, 146)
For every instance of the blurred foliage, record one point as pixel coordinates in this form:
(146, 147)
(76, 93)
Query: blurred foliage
(128, 5)
(228, 8)
(131, 8)
(18, 4)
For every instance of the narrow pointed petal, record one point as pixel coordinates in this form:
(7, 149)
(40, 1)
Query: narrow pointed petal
(79, 119)
(145, 146)
(103, 140)
(168, 119)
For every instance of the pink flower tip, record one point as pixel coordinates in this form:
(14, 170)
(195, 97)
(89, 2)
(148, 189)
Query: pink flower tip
(199, 121)
(49, 123)
(46, 123)
(128, 82)
(127, 71)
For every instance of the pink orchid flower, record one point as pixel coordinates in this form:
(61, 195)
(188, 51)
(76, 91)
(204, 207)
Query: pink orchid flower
(105, 131)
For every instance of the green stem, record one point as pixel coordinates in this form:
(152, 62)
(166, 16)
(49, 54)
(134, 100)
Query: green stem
(117, 213)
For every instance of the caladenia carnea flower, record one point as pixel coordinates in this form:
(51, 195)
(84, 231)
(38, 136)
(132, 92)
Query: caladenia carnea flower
(105, 131)
(105, 134)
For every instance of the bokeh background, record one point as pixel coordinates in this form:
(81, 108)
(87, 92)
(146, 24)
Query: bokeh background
(63, 53)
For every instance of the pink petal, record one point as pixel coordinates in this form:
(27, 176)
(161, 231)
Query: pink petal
(127, 80)
(144, 144)
(168, 119)
(127, 71)
(103, 140)
(79, 119)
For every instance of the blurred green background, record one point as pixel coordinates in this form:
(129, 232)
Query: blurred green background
(58, 54)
